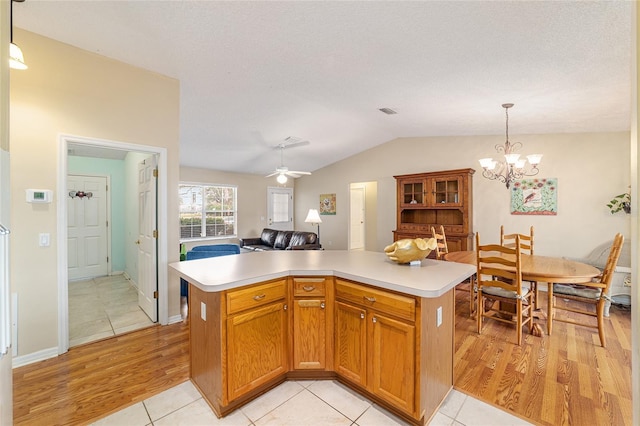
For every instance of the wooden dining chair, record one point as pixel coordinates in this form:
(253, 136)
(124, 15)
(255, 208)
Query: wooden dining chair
(499, 279)
(526, 247)
(594, 293)
(441, 240)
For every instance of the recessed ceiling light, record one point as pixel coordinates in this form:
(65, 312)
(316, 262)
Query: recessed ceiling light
(388, 111)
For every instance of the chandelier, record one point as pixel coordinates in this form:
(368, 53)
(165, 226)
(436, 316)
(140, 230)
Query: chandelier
(512, 167)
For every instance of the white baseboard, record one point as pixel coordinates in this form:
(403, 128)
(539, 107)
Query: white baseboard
(19, 361)
(174, 319)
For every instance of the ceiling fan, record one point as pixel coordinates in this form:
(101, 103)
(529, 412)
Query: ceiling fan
(282, 171)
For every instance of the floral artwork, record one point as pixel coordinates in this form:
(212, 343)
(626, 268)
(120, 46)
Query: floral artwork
(328, 204)
(535, 196)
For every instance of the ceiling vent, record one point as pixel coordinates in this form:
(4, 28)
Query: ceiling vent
(388, 111)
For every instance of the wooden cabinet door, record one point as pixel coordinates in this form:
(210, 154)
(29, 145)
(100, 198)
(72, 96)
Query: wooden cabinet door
(350, 342)
(256, 348)
(392, 360)
(309, 334)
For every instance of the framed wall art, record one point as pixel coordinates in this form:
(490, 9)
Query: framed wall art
(535, 197)
(328, 204)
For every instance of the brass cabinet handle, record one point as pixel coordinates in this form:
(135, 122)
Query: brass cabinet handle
(308, 288)
(361, 315)
(322, 305)
(260, 297)
(369, 299)
(285, 307)
(375, 320)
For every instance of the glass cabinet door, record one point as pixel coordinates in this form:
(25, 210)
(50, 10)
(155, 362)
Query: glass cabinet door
(413, 192)
(447, 191)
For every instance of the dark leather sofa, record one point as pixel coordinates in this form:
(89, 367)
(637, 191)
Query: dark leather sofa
(272, 239)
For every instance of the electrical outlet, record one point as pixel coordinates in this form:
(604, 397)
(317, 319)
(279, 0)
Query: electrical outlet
(439, 316)
(203, 311)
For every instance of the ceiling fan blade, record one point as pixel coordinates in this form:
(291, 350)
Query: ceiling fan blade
(291, 142)
(295, 174)
(273, 174)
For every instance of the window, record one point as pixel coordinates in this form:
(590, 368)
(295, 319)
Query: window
(207, 211)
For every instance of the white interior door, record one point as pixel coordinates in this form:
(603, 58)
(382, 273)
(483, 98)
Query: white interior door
(280, 208)
(147, 238)
(356, 223)
(87, 242)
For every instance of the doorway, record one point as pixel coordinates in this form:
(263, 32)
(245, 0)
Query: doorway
(363, 216)
(280, 208)
(122, 277)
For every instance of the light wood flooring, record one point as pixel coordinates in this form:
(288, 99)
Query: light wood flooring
(565, 379)
(99, 378)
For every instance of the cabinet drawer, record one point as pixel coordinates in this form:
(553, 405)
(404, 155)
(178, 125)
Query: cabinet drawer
(258, 295)
(309, 286)
(389, 303)
(453, 229)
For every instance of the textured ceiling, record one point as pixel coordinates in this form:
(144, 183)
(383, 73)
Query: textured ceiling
(253, 73)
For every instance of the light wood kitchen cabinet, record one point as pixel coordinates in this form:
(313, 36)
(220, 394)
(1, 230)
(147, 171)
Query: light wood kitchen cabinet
(256, 347)
(311, 322)
(446, 199)
(375, 342)
(386, 345)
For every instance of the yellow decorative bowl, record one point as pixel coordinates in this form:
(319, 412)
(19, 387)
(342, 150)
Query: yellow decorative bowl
(408, 250)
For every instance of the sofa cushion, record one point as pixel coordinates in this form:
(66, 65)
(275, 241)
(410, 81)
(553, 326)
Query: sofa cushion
(300, 238)
(282, 240)
(268, 237)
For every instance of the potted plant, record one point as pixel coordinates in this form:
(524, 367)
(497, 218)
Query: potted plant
(620, 202)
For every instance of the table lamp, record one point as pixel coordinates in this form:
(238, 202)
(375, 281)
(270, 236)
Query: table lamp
(314, 218)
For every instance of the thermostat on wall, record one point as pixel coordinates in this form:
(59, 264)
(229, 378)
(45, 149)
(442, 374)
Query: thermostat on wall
(39, 195)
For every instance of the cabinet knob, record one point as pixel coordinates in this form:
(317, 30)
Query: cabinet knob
(361, 315)
(308, 288)
(259, 297)
(374, 320)
(322, 305)
(285, 307)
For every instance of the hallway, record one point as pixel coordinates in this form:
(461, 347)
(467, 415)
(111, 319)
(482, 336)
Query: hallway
(103, 307)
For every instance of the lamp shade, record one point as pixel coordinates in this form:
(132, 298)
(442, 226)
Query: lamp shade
(281, 178)
(16, 58)
(313, 217)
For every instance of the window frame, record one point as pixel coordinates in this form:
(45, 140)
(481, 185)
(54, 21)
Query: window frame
(203, 212)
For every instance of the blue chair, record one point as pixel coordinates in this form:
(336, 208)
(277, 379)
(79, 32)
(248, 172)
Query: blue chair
(203, 252)
(218, 247)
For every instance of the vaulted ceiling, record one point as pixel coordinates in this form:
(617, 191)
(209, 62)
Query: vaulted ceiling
(254, 73)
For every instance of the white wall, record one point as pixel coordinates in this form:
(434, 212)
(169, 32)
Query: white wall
(591, 169)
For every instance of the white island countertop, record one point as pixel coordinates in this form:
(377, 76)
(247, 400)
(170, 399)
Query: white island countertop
(432, 278)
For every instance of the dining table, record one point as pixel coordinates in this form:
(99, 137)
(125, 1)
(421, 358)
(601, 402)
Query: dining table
(547, 269)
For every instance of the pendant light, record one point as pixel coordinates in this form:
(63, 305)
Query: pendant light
(16, 58)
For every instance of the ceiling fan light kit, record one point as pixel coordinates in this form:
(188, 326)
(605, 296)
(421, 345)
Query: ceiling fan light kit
(282, 171)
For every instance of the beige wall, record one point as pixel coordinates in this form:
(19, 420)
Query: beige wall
(591, 169)
(72, 91)
(252, 198)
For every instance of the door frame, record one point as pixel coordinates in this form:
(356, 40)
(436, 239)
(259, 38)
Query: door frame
(63, 285)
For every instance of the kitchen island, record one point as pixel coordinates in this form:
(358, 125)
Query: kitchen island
(383, 329)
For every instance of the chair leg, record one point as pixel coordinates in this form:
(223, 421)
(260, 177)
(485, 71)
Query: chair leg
(600, 314)
(550, 311)
(519, 320)
(479, 311)
(472, 296)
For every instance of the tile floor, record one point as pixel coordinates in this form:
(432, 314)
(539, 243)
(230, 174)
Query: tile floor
(298, 403)
(103, 307)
